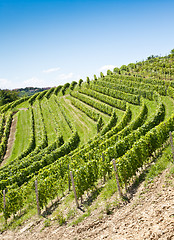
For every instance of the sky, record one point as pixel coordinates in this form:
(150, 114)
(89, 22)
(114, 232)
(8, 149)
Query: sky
(46, 43)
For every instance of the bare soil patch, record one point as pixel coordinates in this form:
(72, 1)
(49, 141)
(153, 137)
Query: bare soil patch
(11, 140)
(25, 109)
(149, 215)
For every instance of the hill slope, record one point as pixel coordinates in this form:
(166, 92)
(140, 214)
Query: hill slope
(78, 129)
(149, 215)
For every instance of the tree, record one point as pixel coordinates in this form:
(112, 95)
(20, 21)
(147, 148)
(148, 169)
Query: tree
(7, 96)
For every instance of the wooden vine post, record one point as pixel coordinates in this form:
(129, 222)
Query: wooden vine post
(69, 182)
(103, 159)
(37, 198)
(4, 205)
(4, 202)
(171, 142)
(117, 180)
(75, 195)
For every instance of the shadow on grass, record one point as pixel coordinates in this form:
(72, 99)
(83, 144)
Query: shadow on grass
(142, 177)
(49, 210)
(94, 194)
(138, 180)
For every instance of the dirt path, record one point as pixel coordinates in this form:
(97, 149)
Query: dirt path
(25, 109)
(149, 216)
(11, 140)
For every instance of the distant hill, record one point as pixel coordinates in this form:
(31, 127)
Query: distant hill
(29, 91)
(8, 96)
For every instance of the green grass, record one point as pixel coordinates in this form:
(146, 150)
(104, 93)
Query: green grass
(109, 189)
(135, 109)
(160, 165)
(104, 195)
(60, 218)
(85, 126)
(18, 220)
(119, 114)
(104, 116)
(69, 198)
(169, 106)
(23, 105)
(22, 134)
(82, 217)
(65, 206)
(172, 170)
(151, 105)
(64, 127)
(37, 124)
(49, 122)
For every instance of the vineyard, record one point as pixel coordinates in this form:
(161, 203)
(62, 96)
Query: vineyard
(72, 133)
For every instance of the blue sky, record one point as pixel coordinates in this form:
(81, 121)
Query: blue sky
(51, 42)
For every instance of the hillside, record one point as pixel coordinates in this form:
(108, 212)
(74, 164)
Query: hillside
(149, 215)
(29, 91)
(77, 130)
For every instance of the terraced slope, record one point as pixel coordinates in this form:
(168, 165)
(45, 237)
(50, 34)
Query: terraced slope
(81, 128)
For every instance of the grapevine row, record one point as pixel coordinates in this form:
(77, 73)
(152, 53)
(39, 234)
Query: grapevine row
(2, 126)
(101, 138)
(92, 102)
(141, 80)
(90, 112)
(54, 177)
(40, 150)
(124, 87)
(124, 144)
(111, 123)
(13, 104)
(117, 103)
(106, 88)
(104, 144)
(3, 145)
(49, 92)
(31, 165)
(141, 150)
(41, 95)
(87, 174)
(161, 89)
(51, 177)
(98, 138)
(57, 89)
(31, 144)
